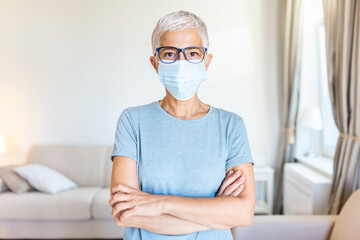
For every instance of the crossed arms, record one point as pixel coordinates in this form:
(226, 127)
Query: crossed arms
(169, 214)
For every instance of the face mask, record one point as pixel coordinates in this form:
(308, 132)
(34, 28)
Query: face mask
(181, 78)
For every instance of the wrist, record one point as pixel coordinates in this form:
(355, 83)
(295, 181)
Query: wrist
(165, 204)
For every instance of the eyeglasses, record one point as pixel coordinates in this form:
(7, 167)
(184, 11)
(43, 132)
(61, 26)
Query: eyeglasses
(170, 54)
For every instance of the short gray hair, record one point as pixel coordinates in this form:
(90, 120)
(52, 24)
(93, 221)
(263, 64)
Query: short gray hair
(176, 21)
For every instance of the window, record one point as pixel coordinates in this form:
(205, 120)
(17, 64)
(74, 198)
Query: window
(330, 132)
(314, 90)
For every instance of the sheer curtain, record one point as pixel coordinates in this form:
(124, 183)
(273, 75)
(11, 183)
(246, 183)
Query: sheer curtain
(291, 35)
(342, 24)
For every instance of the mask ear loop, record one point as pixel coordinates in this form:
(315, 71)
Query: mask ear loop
(204, 60)
(156, 58)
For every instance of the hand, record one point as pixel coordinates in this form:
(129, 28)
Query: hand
(232, 184)
(127, 201)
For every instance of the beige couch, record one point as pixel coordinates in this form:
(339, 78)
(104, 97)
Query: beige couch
(345, 226)
(83, 212)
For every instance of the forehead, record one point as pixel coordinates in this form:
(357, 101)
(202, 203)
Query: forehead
(181, 39)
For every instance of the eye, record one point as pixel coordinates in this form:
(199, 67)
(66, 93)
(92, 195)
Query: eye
(194, 53)
(169, 54)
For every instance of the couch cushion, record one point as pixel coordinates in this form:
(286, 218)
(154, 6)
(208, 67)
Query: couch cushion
(100, 206)
(83, 164)
(287, 227)
(71, 204)
(347, 224)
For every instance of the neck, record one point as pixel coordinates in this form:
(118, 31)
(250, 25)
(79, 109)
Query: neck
(179, 108)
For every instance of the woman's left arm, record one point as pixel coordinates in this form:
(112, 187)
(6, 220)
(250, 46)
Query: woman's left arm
(216, 213)
(220, 212)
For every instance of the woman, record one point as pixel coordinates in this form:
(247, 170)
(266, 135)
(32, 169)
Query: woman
(172, 158)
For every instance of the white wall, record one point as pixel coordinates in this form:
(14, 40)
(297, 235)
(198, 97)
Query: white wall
(68, 68)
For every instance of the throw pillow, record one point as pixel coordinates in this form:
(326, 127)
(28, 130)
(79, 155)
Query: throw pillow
(3, 186)
(45, 179)
(13, 181)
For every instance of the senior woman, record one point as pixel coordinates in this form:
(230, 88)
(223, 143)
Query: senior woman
(177, 162)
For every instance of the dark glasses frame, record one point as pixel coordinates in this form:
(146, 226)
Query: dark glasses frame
(179, 50)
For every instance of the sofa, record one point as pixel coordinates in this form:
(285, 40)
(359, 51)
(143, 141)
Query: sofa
(84, 212)
(345, 226)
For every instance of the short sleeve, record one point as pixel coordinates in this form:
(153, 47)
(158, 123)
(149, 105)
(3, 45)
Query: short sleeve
(239, 151)
(125, 138)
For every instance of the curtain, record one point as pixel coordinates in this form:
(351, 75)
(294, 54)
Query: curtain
(291, 36)
(342, 24)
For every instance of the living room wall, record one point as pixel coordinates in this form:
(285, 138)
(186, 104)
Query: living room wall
(69, 68)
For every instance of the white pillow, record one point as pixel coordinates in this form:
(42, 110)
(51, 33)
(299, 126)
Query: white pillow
(44, 179)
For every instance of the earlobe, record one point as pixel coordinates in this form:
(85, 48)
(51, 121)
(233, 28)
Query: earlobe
(154, 63)
(208, 60)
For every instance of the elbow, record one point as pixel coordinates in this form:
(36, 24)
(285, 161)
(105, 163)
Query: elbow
(244, 221)
(241, 218)
(246, 218)
(240, 221)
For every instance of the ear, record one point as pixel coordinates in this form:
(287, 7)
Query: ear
(208, 60)
(154, 63)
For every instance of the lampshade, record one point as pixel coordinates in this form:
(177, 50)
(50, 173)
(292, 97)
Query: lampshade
(2, 144)
(311, 119)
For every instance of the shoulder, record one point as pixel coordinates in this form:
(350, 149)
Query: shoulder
(139, 108)
(228, 116)
(134, 111)
(130, 116)
(232, 122)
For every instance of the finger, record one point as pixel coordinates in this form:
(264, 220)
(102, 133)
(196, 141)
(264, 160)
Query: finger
(238, 191)
(122, 188)
(227, 181)
(130, 212)
(233, 186)
(118, 220)
(119, 197)
(221, 189)
(119, 188)
(119, 207)
(229, 172)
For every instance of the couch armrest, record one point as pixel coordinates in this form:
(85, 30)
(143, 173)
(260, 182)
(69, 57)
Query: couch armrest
(284, 227)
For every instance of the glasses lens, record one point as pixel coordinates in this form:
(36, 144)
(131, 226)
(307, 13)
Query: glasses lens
(195, 54)
(168, 54)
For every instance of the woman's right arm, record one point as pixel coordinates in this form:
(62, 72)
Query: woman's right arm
(124, 172)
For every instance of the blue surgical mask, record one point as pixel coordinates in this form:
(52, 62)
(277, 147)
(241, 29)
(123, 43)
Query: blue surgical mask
(181, 78)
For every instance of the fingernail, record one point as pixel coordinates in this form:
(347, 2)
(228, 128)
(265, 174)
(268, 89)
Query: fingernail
(242, 186)
(231, 171)
(242, 178)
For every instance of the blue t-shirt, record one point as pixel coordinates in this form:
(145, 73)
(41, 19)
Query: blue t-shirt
(181, 157)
